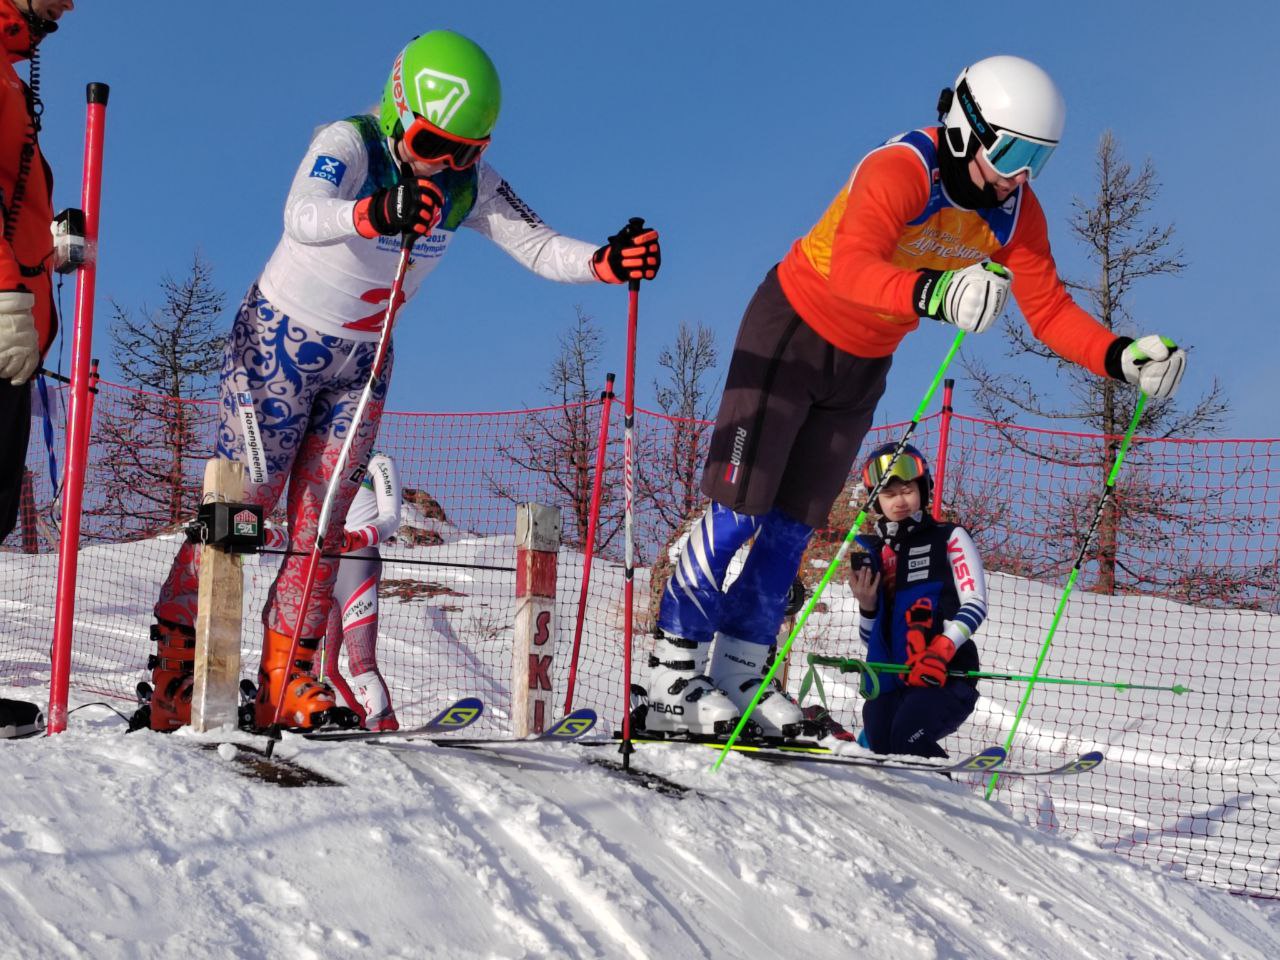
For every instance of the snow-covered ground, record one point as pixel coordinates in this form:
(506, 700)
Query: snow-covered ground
(145, 845)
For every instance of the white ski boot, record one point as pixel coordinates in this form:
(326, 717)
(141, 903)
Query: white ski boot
(681, 699)
(738, 668)
(374, 698)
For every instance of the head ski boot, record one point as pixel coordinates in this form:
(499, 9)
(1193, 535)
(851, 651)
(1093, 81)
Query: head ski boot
(738, 668)
(681, 699)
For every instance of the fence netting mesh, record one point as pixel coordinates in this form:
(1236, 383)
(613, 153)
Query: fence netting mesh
(1179, 587)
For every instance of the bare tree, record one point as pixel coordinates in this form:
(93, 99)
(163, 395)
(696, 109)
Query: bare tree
(555, 449)
(1126, 249)
(672, 450)
(669, 473)
(154, 445)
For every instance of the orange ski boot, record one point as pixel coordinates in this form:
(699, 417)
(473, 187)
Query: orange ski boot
(172, 667)
(304, 701)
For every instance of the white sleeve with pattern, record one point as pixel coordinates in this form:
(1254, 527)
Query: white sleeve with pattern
(375, 511)
(386, 488)
(971, 586)
(320, 209)
(508, 221)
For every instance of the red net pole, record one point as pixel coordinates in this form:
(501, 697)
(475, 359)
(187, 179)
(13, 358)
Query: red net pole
(588, 550)
(944, 437)
(79, 415)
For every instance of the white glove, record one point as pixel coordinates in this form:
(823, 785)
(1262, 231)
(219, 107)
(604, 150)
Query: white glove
(1154, 365)
(971, 298)
(19, 348)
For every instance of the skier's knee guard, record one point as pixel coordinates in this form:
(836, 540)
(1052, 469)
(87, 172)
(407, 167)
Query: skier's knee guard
(690, 605)
(172, 675)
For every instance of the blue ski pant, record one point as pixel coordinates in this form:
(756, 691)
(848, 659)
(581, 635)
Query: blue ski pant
(693, 605)
(912, 720)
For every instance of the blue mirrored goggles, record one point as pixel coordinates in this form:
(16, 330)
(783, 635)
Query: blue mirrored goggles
(1011, 154)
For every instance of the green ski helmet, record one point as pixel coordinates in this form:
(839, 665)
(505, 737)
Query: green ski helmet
(444, 94)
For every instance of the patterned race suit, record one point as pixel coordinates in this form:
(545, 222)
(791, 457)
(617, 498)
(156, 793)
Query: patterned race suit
(304, 338)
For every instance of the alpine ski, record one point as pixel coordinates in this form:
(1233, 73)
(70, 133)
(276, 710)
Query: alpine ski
(457, 716)
(565, 730)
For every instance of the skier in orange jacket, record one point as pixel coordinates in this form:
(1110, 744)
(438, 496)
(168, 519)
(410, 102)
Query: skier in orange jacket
(938, 222)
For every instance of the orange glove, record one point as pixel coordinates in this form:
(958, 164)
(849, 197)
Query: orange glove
(632, 253)
(928, 660)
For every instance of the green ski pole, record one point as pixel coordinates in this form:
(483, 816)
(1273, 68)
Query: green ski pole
(1107, 492)
(844, 549)
(848, 666)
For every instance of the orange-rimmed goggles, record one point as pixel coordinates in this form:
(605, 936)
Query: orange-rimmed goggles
(427, 143)
(908, 466)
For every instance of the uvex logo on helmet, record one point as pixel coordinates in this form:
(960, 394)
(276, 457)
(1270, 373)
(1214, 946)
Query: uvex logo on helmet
(397, 89)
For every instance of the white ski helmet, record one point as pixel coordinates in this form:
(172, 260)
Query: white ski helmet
(1008, 107)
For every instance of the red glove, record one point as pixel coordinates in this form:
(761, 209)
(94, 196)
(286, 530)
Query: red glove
(356, 539)
(414, 206)
(928, 660)
(632, 253)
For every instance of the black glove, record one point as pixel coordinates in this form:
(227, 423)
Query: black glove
(414, 206)
(632, 253)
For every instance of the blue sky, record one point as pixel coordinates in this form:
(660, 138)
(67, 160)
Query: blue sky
(728, 126)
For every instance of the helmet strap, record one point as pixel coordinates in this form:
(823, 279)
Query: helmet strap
(38, 25)
(945, 99)
(954, 171)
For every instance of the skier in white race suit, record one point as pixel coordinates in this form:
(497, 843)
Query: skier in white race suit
(374, 518)
(303, 342)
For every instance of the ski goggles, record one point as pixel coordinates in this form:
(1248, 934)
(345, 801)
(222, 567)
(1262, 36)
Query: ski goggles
(1012, 153)
(427, 143)
(908, 466)
(1009, 153)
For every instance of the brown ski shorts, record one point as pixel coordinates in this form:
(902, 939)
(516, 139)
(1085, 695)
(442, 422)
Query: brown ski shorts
(793, 415)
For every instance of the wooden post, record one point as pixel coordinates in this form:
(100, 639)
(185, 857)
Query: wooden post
(537, 546)
(216, 694)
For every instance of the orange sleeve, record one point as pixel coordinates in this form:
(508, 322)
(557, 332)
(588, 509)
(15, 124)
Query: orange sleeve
(889, 189)
(13, 125)
(1055, 319)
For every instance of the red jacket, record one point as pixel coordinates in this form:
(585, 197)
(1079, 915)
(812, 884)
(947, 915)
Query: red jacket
(851, 278)
(26, 248)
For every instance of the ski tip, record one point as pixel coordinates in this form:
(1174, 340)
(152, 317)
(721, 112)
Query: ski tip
(571, 725)
(988, 759)
(457, 715)
(1087, 761)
